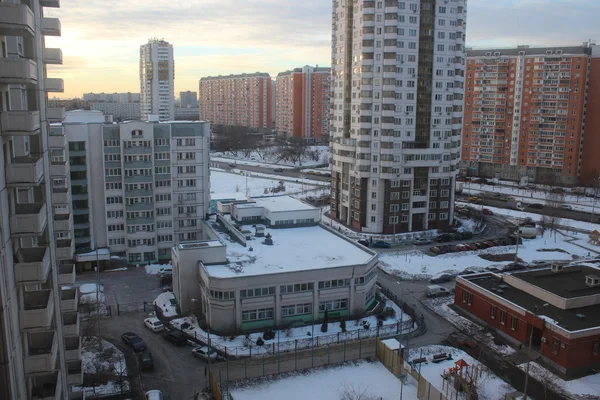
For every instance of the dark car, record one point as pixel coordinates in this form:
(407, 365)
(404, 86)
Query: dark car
(380, 244)
(466, 235)
(278, 170)
(134, 341)
(444, 237)
(364, 242)
(145, 361)
(515, 266)
(176, 337)
(232, 165)
(441, 278)
(536, 205)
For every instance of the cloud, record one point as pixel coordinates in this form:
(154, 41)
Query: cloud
(211, 37)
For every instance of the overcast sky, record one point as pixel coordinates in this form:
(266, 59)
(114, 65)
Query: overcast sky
(100, 40)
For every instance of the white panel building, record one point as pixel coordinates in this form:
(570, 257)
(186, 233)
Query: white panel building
(157, 76)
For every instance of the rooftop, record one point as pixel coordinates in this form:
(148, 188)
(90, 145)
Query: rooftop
(282, 203)
(573, 319)
(529, 51)
(568, 283)
(293, 249)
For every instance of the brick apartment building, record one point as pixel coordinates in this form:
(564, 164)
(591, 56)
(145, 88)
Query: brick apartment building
(525, 113)
(560, 305)
(302, 103)
(242, 100)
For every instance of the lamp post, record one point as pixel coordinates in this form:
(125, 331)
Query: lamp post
(535, 310)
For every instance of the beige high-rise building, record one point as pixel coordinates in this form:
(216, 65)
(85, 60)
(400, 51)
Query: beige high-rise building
(157, 80)
(40, 349)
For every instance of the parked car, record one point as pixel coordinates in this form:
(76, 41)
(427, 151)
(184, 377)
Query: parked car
(566, 207)
(421, 241)
(380, 244)
(278, 170)
(487, 211)
(153, 395)
(134, 341)
(515, 266)
(444, 237)
(436, 250)
(536, 205)
(232, 165)
(441, 278)
(557, 190)
(165, 280)
(520, 206)
(154, 324)
(436, 291)
(475, 200)
(165, 271)
(364, 242)
(176, 337)
(203, 353)
(489, 243)
(145, 361)
(465, 235)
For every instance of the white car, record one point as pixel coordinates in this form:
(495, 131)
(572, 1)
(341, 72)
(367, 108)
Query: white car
(202, 353)
(165, 271)
(566, 207)
(154, 324)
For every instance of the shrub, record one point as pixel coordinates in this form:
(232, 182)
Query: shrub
(343, 325)
(260, 341)
(269, 335)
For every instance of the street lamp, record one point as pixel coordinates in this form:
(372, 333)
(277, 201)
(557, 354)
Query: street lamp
(535, 310)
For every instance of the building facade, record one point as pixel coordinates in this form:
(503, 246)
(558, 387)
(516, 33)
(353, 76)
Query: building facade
(119, 111)
(157, 76)
(525, 112)
(557, 308)
(302, 103)
(188, 99)
(187, 114)
(590, 164)
(242, 100)
(126, 97)
(147, 190)
(396, 119)
(40, 353)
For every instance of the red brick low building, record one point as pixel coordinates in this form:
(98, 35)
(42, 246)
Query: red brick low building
(559, 307)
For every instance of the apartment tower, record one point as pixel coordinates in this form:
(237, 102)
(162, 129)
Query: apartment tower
(525, 112)
(157, 75)
(302, 103)
(39, 343)
(396, 117)
(242, 100)
(188, 99)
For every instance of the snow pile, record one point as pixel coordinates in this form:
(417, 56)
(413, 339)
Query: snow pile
(104, 369)
(372, 380)
(87, 293)
(153, 269)
(90, 288)
(584, 388)
(165, 301)
(467, 224)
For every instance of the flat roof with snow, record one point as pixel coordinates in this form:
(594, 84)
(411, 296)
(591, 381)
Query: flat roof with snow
(282, 203)
(293, 249)
(570, 282)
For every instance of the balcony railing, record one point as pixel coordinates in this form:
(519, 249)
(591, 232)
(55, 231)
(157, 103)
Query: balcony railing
(65, 248)
(68, 299)
(63, 222)
(17, 71)
(29, 219)
(61, 195)
(38, 309)
(32, 265)
(58, 168)
(71, 323)
(55, 85)
(74, 373)
(25, 171)
(50, 26)
(42, 351)
(57, 138)
(73, 348)
(46, 387)
(16, 20)
(19, 123)
(66, 274)
(53, 56)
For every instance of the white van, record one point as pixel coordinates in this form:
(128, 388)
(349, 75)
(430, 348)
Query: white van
(519, 206)
(165, 271)
(436, 291)
(528, 232)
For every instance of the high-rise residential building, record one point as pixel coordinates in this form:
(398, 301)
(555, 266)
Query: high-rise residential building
(302, 103)
(396, 120)
(188, 99)
(146, 190)
(157, 76)
(525, 112)
(242, 100)
(39, 338)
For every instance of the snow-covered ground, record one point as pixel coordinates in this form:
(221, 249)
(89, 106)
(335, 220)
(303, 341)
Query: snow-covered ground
(153, 269)
(489, 386)
(416, 264)
(225, 182)
(163, 301)
(372, 380)
(87, 293)
(104, 361)
(306, 180)
(243, 346)
(585, 388)
(269, 156)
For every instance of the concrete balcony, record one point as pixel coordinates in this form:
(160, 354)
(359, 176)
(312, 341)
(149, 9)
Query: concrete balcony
(56, 139)
(19, 123)
(50, 3)
(53, 56)
(32, 265)
(65, 248)
(16, 20)
(73, 348)
(46, 387)
(55, 85)
(50, 26)
(71, 323)
(61, 196)
(55, 114)
(63, 222)
(38, 309)
(66, 274)
(68, 299)
(59, 168)
(42, 352)
(25, 171)
(74, 373)
(17, 71)
(29, 219)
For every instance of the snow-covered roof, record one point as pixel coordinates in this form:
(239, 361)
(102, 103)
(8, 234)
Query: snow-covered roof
(293, 249)
(228, 196)
(282, 203)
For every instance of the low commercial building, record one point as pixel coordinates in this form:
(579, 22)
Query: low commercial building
(557, 308)
(274, 270)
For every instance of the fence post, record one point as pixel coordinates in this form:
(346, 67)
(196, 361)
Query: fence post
(338, 342)
(118, 310)
(295, 354)
(377, 332)
(359, 348)
(273, 347)
(328, 354)
(312, 355)
(144, 306)
(344, 351)
(250, 351)
(317, 341)
(245, 367)
(263, 358)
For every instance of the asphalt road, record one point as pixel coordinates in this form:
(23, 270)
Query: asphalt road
(292, 173)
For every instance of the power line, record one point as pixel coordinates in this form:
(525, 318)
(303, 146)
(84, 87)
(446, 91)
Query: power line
(518, 23)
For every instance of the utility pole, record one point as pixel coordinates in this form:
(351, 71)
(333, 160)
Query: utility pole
(97, 294)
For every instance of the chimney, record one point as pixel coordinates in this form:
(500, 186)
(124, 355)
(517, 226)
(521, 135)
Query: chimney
(556, 268)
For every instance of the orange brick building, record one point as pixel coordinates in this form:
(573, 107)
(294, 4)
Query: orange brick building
(525, 112)
(558, 308)
(302, 103)
(242, 100)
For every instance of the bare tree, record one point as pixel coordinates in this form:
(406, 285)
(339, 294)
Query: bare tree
(293, 150)
(350, 391)
(232, 139)
(549, 382)
(555, 201)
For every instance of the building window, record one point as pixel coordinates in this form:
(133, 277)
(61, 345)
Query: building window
(467, 297)
(513, 323)
(555, 345)
(502, 317)
(258, 292)
(296, 309)
(257, 315)
(334, 283)
(298, 287)
(340, 304)
(493, 312)
(596, 347)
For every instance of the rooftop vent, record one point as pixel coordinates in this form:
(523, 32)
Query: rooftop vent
(580, 316)
(592, 280)
(503, 286)
(556, 268)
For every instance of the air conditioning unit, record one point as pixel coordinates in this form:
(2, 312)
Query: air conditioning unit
(521, 53)
(559, 52)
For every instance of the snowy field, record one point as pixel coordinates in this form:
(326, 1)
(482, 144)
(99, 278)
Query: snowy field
(585, 388)
(306, 180)
(489, 386)
(417, 265)
(373, 380)
(269, 156)
(225, 182)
